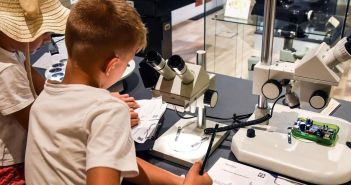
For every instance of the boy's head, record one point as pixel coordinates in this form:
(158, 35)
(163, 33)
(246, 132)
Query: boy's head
(102, 36)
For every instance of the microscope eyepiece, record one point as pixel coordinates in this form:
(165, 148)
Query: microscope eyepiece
(177, 64)
(155, 60)
(341, 52)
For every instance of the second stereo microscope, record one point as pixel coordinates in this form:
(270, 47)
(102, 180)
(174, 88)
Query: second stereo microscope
(298, 143)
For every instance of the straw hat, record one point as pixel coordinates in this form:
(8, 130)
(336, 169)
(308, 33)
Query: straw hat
(26, 20)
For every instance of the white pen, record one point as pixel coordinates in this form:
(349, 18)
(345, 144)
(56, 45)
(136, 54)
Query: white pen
(201, 141)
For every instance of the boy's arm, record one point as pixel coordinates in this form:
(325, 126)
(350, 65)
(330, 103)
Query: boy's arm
(38, 80)
(103, 175)
(151, 174)
(22, 116)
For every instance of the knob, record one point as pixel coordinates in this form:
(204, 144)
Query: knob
(210, 98)
(318, 99)
(250, 133)
(271, 89)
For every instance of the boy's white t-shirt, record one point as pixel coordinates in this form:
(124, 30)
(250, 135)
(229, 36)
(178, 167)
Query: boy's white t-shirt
(74, 128)
(15, 95)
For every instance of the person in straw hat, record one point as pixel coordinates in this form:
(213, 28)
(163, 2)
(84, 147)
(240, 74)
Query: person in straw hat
(25, 25)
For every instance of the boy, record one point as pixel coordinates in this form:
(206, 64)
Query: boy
(79, 133)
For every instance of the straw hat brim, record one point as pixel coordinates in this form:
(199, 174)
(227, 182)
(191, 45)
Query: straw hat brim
(14, 24)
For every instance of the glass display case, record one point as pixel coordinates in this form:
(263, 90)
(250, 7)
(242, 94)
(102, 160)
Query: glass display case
(233, 40)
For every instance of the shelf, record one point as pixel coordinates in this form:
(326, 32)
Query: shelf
(313, 32)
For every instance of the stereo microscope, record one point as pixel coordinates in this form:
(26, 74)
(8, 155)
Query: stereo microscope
(184, 85)
(274, 145)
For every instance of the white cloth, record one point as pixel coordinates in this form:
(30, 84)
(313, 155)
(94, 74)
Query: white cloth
(74, 128)
(15, 94)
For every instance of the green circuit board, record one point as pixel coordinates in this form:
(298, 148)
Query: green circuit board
(319, 132)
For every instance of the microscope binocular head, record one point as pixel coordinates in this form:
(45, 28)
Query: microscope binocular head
(175, 65)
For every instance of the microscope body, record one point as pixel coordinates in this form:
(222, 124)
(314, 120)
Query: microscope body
(312, 77)
(176, 92)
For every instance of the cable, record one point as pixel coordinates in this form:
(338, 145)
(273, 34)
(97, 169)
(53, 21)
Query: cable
(244, 123)
(275, 103)
(213, 117)
(234, 117)
(58, 40)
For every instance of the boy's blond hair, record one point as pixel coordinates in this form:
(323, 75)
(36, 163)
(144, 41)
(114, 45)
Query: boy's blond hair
(98, 30)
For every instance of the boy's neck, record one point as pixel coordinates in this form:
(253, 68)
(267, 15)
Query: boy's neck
(75, 75)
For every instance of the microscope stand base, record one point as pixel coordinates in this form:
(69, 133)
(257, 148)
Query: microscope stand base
(186, 147)
(304, 160)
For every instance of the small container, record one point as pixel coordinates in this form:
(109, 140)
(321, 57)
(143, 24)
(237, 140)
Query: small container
(201, 58)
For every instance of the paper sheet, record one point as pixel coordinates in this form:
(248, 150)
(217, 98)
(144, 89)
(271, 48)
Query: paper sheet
(226, 172)
(150, 112)
(238, 9)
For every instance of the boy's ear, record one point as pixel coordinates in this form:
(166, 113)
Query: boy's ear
(111, 65)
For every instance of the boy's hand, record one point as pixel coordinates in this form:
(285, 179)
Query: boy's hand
(193, 177)
(132, 104)
(134, 118)
(126, 98)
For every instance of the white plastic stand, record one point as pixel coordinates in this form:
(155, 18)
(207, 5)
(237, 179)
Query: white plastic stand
(186, 148)
(304, 160)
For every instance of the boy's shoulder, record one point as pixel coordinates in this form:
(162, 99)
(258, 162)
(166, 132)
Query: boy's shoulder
(80, 95)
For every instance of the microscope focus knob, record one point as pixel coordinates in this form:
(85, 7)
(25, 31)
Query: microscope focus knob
(250, 133)
(271, 89)
(318, 99)
(210, 98)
